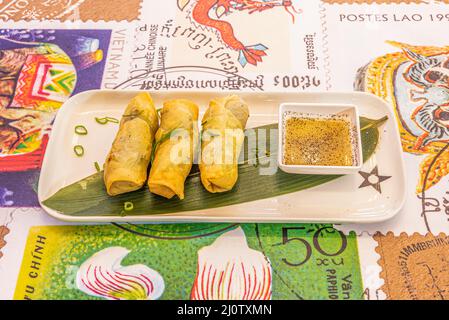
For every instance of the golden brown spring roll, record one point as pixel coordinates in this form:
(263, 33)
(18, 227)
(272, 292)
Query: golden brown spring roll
(222, 140)
(126, 166)
(176, 145)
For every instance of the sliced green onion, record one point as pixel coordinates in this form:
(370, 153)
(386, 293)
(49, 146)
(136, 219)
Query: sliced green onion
(97, 166)
(158, 112)
(79, 150)
(101, 120)
(113, 120)
(106, 120)
(128, 206)
(81, 130)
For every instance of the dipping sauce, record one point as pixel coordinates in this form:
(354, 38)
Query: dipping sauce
(318, 142)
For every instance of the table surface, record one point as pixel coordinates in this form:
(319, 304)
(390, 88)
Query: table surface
(398, 50)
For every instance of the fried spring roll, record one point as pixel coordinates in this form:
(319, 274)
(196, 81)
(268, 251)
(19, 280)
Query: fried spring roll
(222, 140)
(126, 166)
(175, 147)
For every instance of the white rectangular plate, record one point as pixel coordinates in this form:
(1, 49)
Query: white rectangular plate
(347, 199)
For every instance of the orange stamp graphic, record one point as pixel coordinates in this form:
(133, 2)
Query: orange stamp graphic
(380, 1)
(414, 267)
(3, 232)
(64, 10)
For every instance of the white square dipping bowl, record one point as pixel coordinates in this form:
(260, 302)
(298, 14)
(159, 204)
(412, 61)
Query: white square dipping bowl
(321, 111)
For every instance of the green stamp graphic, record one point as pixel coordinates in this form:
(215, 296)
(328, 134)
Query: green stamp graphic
(190, 261)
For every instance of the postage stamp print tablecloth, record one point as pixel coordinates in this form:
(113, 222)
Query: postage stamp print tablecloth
(397, 50)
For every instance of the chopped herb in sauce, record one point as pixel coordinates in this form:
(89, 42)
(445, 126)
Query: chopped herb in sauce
(318, 142)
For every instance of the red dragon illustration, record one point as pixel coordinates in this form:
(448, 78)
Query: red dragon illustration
(200, 12)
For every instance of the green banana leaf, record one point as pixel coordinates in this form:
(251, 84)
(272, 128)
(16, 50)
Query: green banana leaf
(88, 197)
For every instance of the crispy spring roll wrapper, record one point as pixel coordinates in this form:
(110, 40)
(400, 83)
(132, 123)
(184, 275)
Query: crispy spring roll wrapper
(176, 145)
(222, 140)
(126, 166)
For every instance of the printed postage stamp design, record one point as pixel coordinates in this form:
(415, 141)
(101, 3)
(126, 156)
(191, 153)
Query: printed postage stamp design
(40, 70)
(3, 232)
(381, 1)
(63, 10)
(220, 261)
(228, 47)
(414, 267)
